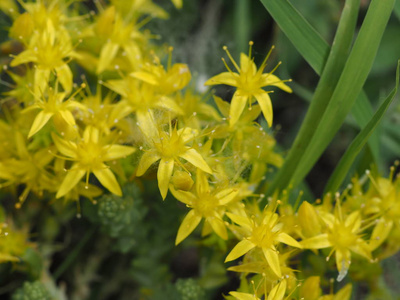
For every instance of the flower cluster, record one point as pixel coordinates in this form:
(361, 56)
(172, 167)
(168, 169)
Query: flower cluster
(131, 114)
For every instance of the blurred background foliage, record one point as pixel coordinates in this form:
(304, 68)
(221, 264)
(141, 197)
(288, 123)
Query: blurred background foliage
(123, 248)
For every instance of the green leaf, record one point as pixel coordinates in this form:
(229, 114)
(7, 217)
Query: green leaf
(350, 84)
(307, 41)
(397, 9)
(242, 24)
(358, 143)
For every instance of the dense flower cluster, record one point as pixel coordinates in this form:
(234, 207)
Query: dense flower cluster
(68, 135)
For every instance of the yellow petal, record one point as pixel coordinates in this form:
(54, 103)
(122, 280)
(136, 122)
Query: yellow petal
(169, 104)
(202, 185)
(146, 123)
(41, 119)
(64, 75)
(353, 220)
(223, 78)
(317, 242)
(148, 158)
(116, 151)
(177, 3)
(74, 175)
(240, 249)
(164, 174)
(344, 293)
(243, 296)
(246, 63)
(237, 106)
(145, 76)
(310, 289)
(67, 116)
(107, 179)
(222, 105)
(218, 226)
(271, 79)
(240, 220)
(278, 292)
(273, 261)
(189, 224)
(362, 248)
(108, 52)
(183, 196)
(266, 106)
(65, 147)
(24, 57)
(308, 219)
(196, 159)
(380, 233)
(42, 77)
(342, 263)
(226, 196)
(132, 52)
(288, 240)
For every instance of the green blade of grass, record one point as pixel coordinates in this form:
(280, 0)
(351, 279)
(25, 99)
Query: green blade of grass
(358, 143)
(242, 24)
(350, 84)
(330, 76)
(315, 51)
(397, 9)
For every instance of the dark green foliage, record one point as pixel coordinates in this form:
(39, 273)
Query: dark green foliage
(121, 217)
(31, 291)
(189, 289)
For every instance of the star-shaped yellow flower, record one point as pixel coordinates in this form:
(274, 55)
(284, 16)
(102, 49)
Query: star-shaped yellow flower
(89, 156)
(168, 148)
(265, 233)
(343, 235)
(249, 83)
(205, 203)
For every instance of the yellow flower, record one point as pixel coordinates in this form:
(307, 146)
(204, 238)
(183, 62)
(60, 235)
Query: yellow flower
(205, 203)
(343, 235)
(47, 50)
(249, 83)
(13, 243)
(265, 234)
(165, 82)
(168, 148)
(89, 156)
(277, 293)
(140, 98)
(119, 34)
(27, 167)
(54, 106)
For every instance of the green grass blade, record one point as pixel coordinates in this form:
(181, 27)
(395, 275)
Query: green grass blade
(397, 9)
(315, 51)
(358, 143)
(330, 76)
(242, 24)
(304, 37)
(350, 84)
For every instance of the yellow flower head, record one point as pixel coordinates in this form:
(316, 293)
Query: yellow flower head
(205, 203)
(343, 235)
(249, 83)
(168, 148)
(264, 233)
(89, 156)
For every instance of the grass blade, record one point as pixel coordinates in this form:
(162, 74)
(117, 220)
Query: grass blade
(350, 84)
(315, 51)
(358, 143)
(330, 76)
